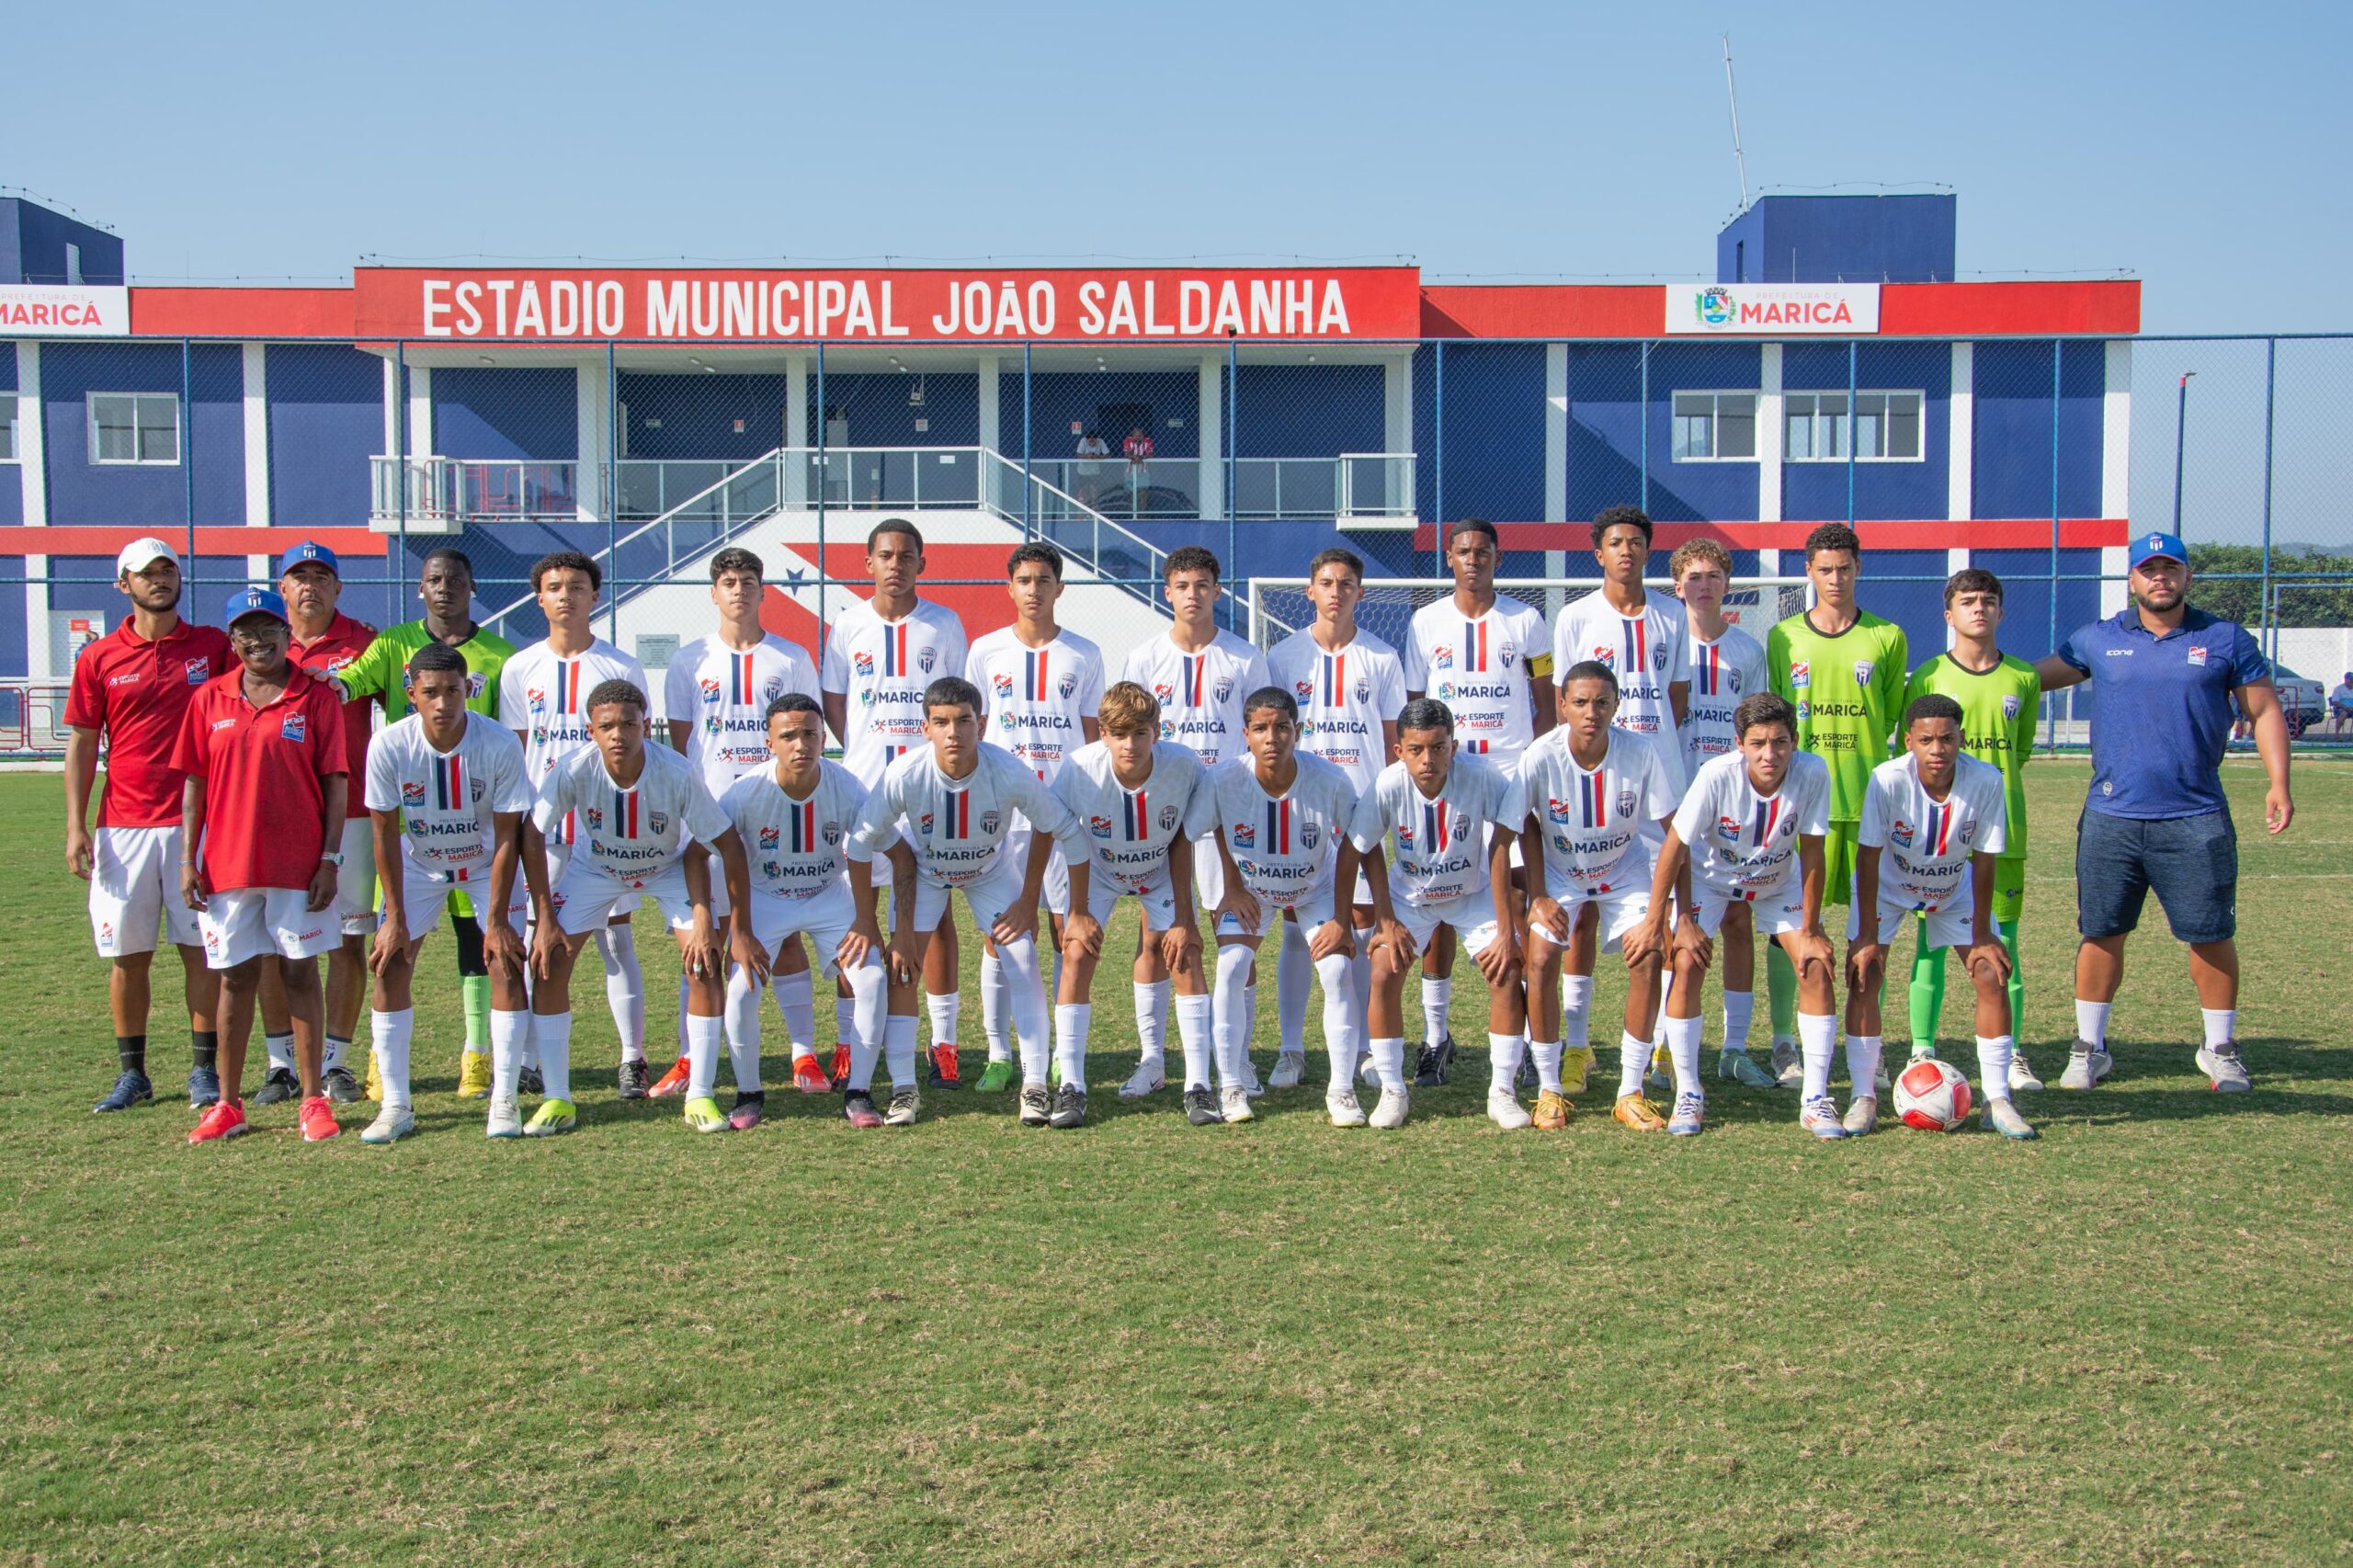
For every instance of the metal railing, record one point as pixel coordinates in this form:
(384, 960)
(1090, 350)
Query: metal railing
(464, 490)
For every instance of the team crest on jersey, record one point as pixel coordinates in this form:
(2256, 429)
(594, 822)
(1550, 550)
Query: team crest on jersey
(1225, 689)
(2197, 655)
(412, 794)
(595, 817)
(1863, 668)
(1364, 691)
(1004, 719)
(2010, 706)
(1732, 679)
(294, 727)
(1558, 811)
(770, 837)
(1099, 827)
(772, 688)
(1625, 804)
(1442, 658)
(989, 821)
(1801, 673)
(1968, 828)
(1306, 688)
(198, 671)
(1168, 819)
(1244, 836)
(1900, 835)
(661, 822)
(1658, 657)
(1168, 728)
(1805, 711)
(830, 833)
(1507, 654)
(476, 684)
(1002, 684)
(1307, 833)
(925, 657)
(862, 663)
(1067, 685)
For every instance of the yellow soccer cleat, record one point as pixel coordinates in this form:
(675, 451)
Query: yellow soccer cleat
(1551, 1110)
(375, 1085)
(473, 1075)
(1638, 1113)
(1577, 1065)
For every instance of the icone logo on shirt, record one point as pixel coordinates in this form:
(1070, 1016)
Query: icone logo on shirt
(199, 671)
(661, 824)
(1658, 657)
(1224, 688)
(863, 664)
(923, 657)
(1244, 834)
(411, 793)
(1307, 833)
(1002, 683)
(1161, 692)
(1800, 673)
(709, 688)
(2010, 706)
(1099, 827)
(1505, 653)
(1625, 804)
(1558, 811)
(294, 727)
(1067, 685)
(1900, 835)
(594, 816)
(1443, 658)
(1605, 656)
(769, 837)
(535, 697)
(1306, 688)
(2197, 655)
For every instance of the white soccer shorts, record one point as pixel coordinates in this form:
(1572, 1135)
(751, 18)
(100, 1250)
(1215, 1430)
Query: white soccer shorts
(1313, 907)
(1056, 894)
(135, 892)
(1774, 911)
(560, 860)
(424, 897)
(1947, 926)
(825, 919)
(987, 896)
(1157, 896)
(587, 897)
(246, 923)
(1620, 912)
(354, 881)
(1472, 916)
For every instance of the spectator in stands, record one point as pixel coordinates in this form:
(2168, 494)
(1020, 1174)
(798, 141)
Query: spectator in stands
(1138, 448)
(1089, 484)
(2340, 705)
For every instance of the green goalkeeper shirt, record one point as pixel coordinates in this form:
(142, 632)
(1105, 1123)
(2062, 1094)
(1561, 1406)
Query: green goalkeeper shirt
(1997, 708)
(1848, 689)
(379, 672)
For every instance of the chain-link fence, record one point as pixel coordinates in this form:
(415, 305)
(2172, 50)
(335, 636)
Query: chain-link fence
(2034, 458)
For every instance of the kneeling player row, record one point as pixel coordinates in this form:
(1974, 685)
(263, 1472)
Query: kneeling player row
(1624, 865)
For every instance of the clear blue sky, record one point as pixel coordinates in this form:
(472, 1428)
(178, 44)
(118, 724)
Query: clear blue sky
(2190, 146)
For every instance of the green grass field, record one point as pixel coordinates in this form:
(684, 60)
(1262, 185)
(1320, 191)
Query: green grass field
(2126, 1342)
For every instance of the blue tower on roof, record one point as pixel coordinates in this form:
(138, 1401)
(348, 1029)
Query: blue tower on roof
(40, 246)
(1840, 239)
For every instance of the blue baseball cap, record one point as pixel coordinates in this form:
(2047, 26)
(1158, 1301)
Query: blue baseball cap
(310, 550)
(253, 601)
(2152, 546)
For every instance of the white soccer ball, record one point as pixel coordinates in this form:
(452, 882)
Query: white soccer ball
(1932, 1096)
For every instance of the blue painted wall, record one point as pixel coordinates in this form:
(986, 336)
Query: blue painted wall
(507, 414)
(33, 241)
(211, 436)
(1693, 492)
(1308, 410)
(1827, 239)
(326, 419)
(2011, 477)
(1818, 491)
(1493, 421)
(12, 490)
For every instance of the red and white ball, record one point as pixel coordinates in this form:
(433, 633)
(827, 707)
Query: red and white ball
(1932, 1096)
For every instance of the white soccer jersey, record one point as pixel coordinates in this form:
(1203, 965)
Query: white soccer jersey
(957, 827)
(1441, 844)
(1201, 694)
(724, 694)
(797, 849)
(1483, 668)
(1925, 845)
(1721, 672)
(1130, 830)
(632, 834)
(1343, 699)
(446, 799)
(1287, 845)
(1645, 652)
(1744, 845)
(881, 667)
(543, 696)
(1033, 699)
(1600, 826)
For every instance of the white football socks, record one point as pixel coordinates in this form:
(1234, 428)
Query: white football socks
(743, 1015)
(1683, 1049)
(1633, 1059)
(552, 1033)
(336, 1050)
(1195, 1035)
(2221, 1025)
(796, 998)
(2091, 1023)
(869, 992)
(1151, 1023)
(392, 1032)
(1577, 1010)
(1863, 1065)
(943, 1011)
(703, 1036)
(508, 1033)
(1438, 1003)
(899, 1049)
(624, 991)
(1503, 1051)
(1026, 995)
(1994, 1065)
(1818, 1039)
(1294, 973)
(1336, 976)
(995, 1007)
(1233, 1016)
(1739, 1007)
(282, 1049)
(1072, 1020)
(1546, 1057)
(1389, 1060)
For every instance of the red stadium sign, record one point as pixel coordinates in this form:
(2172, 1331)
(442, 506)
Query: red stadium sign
(941, 305)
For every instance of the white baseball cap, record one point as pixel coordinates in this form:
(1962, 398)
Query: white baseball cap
(142, 553)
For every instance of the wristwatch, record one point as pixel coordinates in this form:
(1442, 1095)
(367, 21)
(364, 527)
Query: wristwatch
(332, 857)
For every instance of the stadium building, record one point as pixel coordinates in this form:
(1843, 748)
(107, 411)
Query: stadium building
(1833, 371)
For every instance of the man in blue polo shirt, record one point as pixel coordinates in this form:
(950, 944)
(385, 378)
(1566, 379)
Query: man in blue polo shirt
(2163, 679)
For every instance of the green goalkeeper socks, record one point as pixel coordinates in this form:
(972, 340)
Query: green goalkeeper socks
(475, 989)
(1781, 991)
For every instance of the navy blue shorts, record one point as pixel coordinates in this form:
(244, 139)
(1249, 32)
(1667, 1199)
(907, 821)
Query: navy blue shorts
(2193, 863)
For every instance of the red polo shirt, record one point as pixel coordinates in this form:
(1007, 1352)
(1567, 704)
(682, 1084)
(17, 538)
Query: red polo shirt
(265, 772)
(134, 693)
(343, 641)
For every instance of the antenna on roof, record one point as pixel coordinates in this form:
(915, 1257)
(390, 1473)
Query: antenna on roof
(1732, 93)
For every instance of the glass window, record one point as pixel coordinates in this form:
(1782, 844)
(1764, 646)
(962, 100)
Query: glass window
(1885, 426)
(7, 427)
(1713, 427)
(134, 427)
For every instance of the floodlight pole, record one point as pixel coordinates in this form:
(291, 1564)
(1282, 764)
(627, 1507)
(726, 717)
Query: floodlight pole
(2180, 422)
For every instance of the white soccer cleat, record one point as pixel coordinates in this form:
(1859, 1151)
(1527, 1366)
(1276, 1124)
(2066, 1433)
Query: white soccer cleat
(1290, 1067)
(1234, 1104)
(1343, 1108)
(1250, 1084)
(2004, 1118)
(1367, 1074)
(2223, 1069)
(2022, 1078)
(1788, 1065)
(1820, 1117)
(1506, 1111)
(1390, 1113)
(1862, 1116)
(506, 1117)
(392, 1123)
(1691, 1115)
(1149, 1078)
(2086, 1067)
(1922, 1053)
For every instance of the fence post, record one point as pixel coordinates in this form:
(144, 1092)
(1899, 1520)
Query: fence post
(2058, 348)
(2269, 629)
(1233, 426)
(824, 473)
(1854, 350)
(187, 460)
(613, 527)
(1645, 425)
(1438, 445)
(1027, 484)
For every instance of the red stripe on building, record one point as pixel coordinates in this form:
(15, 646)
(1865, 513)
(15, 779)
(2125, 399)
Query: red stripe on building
(1933, 533)
(106, 539)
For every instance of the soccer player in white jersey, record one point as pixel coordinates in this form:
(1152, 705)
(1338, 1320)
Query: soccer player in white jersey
(880, 654)
(716, 695)
(1282, 834)
(1455, 819)
(1934, 821)
(644, 825)
(1199, 675)
(953, 802)
(1749, 831)
(1143, 802)
(1350, 685)
(542, 693)
(1041, 686)
(1726, 664)
(1598, 796)
(795, 818)
(1486, 658)
(447, 796)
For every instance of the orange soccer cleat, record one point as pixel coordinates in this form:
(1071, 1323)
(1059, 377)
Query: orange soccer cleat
(673, 1082)
(810, 1078)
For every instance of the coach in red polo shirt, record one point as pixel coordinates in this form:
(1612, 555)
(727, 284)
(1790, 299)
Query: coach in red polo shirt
(263, 808)
(131, 689)
(325, 640)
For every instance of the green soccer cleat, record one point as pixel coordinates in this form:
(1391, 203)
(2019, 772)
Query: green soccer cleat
(995, 1078)
(702, 1115)
(551, 1117)
(1744, 1069)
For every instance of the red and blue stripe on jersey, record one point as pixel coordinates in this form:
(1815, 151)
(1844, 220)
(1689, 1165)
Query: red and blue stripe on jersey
(567, 686)
(801, 824)
(742, 679)
(894, 650)
(956, 813)
(1593, 798)
(1033, 676)
(1474, 646)
(1768, 817)
(1708, 671)
(1438, 821)
(1336, 680)
(1277, 840)
(1189, 685)
(1636, 640)
(1935, 838)
(449, 784)
(624, 814)
(1135, 816)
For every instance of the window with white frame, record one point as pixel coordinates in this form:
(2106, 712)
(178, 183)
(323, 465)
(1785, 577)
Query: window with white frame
(1886, 427)
(134, 427)
(1715, 426)
(7, 427)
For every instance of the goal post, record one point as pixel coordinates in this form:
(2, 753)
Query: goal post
(1279, 606)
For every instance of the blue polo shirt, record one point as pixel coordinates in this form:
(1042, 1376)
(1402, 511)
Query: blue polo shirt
(2162, 709)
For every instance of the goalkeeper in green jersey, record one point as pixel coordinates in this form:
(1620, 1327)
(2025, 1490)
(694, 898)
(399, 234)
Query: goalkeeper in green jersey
(446, 586)
(1998, 696)
(1843, 669)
